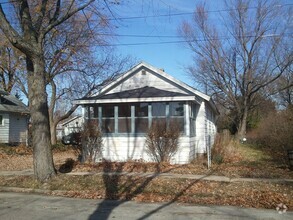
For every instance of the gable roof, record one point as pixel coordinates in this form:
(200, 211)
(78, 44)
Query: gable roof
(10, 103)
(146, 93)
(162, 73)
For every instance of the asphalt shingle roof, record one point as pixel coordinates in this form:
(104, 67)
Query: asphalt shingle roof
(145, 92)
(10, 103)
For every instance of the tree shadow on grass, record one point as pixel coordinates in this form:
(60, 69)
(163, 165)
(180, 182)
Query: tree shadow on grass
(132, 186)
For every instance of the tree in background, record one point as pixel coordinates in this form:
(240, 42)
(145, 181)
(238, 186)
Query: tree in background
(238, 58)
(11, 63)
(285, 89)
(34, 23)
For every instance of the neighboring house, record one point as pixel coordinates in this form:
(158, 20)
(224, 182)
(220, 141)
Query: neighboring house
(14, 118)
(127, 106)
(70, 125)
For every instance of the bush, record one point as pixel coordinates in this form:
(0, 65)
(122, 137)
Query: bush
(276, 130)
(91, 141)
(162, 141)
(225, 149)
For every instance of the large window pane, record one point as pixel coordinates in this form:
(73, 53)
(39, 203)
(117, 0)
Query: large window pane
(124, 125)
(177, 123)
(176, 109)
(108, 125)
(158, 109)
(108, 111)
(159, 121)
(141, 125)
(124, 110)
(141, 110)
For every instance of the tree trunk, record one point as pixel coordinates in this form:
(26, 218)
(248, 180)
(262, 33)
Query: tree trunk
(42, 150)
(53, 133)
(242, 124)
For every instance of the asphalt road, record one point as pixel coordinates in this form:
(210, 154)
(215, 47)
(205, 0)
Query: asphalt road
(32, 207)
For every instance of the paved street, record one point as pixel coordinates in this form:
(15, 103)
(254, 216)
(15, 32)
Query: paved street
(32, 207)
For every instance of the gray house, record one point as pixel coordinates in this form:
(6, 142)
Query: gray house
(14, 117)
(126, 107)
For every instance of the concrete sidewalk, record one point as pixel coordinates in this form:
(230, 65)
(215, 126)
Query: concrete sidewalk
(32, 206)
(206, 177)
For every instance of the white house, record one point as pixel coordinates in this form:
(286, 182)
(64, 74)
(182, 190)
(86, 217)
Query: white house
(14, 118)
(126, 107)
(70, 125)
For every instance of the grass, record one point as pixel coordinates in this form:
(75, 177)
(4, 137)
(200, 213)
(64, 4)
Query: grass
(253, 153)
(251, 161)
(244, 194)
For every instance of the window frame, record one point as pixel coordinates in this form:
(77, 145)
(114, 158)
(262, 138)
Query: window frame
(1, 120)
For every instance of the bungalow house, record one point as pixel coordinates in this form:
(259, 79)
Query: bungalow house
(126, 107)
(14, 118)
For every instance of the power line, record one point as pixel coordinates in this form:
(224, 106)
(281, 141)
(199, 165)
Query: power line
(185, 41)
(173, 14)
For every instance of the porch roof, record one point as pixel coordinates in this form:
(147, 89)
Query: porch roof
(144, 94)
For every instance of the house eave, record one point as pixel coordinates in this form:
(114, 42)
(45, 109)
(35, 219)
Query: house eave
(128, 100)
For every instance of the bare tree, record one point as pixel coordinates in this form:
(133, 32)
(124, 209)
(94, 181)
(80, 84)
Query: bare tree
(75, 63)
(237, 58)
(285, 89)
(35, 21)
(79, 83)
(10, 64)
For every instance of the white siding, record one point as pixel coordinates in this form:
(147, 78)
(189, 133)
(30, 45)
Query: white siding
(4, 128)
(18, 129)
(211, 125)
(201, 129)
(133, 148)
(151, 79)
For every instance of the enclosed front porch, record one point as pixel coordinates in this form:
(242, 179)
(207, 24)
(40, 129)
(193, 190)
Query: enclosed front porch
(125, 125)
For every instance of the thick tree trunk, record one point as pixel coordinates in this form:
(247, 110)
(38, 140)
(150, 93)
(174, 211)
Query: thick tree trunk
(53, 133)
(42, 150)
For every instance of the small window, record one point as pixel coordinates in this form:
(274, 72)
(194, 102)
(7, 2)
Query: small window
(1, 120)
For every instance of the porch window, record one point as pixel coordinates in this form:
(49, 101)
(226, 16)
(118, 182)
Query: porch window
(136, 118)
(193, 112)
(159, 112)
(124, 118)
(141, 117)
(108, 118)
(176, 114)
